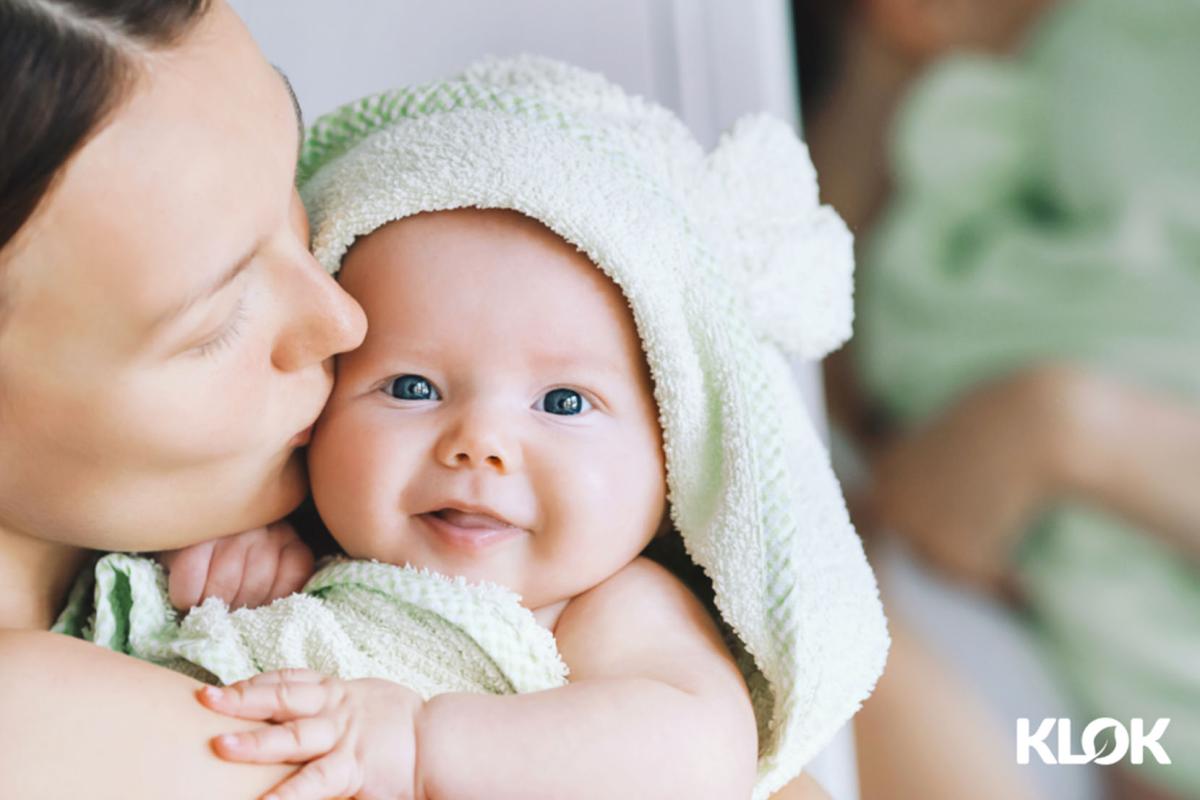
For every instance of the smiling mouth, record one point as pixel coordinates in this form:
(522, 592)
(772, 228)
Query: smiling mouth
(469, 530)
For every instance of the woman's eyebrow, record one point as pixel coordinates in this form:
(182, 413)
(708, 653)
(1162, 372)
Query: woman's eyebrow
(295, 107)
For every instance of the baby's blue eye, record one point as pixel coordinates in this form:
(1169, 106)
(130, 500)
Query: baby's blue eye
(566, 402)
(412, 387)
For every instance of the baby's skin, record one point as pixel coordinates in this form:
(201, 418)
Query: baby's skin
(498, 423)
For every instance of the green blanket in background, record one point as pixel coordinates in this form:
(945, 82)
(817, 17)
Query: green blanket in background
(1048, 208)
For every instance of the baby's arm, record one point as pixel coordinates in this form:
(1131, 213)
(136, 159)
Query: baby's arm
(656, 709)
(245, 569)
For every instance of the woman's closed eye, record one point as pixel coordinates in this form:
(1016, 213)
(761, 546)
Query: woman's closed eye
(228, 333)
(563, 402)
(412, 387)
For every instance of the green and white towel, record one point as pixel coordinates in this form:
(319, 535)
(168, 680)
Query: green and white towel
(353, 619)
(1048, 208)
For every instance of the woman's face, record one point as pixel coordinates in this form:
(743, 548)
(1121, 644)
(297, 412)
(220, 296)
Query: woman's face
(165, 336)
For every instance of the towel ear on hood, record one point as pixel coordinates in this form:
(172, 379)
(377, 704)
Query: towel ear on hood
(792, 258)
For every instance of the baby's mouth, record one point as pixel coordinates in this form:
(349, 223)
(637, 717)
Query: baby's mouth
(470, 520)
(469, 531)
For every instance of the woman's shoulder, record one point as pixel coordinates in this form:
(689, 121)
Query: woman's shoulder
(28, 655)
(77, 720)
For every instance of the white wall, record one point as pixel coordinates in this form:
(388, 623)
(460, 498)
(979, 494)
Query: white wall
(709, 60)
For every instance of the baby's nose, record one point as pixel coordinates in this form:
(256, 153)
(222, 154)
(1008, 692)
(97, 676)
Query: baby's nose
(478, 442)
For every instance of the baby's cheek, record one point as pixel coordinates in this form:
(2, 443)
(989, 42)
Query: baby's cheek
(623, 486)
(341, 460)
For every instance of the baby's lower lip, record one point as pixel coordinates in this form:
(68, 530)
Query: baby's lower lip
(472, 539)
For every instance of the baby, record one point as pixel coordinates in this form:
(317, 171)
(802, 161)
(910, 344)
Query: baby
(499, 424)
(552, 351)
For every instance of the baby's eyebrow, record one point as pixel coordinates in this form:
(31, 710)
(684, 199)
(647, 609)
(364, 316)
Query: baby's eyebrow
(581, 361)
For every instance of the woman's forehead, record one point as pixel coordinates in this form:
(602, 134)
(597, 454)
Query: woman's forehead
(190, 170)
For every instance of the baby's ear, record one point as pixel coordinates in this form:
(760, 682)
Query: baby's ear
(791, 258)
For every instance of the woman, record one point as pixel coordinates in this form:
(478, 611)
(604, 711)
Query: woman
(164, 346)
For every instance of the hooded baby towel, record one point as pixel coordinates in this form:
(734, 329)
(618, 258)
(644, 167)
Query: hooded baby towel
(729, 264)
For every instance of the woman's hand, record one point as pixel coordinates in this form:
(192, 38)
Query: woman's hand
(246, 569)
(964, 488)
(355, 738)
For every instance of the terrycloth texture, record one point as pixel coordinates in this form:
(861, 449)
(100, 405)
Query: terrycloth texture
(353, 619)
(1049, 209)
(728, 263)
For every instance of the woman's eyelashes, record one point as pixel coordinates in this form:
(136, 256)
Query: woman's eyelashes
(227, 335)
(561, 402)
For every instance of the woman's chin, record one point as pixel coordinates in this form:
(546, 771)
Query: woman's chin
(293, 483)
(282, 493)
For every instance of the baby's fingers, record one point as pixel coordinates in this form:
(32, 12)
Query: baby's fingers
(335, 775)
(187, 570)
(292, 742)
(278, 701)
(294, 570)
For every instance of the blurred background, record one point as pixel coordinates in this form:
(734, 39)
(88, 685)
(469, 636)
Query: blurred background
(1017, 420)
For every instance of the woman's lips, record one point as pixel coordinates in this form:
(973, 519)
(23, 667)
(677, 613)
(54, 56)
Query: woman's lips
(469, 531)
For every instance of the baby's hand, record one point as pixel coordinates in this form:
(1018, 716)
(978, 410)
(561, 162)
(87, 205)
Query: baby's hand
(357, 737)
(246, 569)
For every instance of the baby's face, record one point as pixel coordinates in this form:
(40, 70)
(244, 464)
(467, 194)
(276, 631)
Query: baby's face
(498, 422)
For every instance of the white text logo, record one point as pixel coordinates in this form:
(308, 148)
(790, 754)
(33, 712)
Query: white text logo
(1134, 742)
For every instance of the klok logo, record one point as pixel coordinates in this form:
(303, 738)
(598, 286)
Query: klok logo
(1133, 741)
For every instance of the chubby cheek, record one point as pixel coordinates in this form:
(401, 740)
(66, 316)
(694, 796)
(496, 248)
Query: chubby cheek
(608, 501)
(359, 467)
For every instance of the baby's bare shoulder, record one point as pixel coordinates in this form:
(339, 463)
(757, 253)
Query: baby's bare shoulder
(643, 621)
(641, 593)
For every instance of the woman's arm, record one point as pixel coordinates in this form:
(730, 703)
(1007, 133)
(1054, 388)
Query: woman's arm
(925, 733)
(1136, 453)
(965, 487)
(802, 788)
(80, 721)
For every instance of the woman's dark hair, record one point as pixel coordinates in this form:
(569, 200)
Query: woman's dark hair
(65, 65)
(819, 31)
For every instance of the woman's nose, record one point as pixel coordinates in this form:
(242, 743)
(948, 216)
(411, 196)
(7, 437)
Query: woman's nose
(479, 440)
(322, 320)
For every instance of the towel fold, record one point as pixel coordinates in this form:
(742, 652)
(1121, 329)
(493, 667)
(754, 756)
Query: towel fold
(353, 619)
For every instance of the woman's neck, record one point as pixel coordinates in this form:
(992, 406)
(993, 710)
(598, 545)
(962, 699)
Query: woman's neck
(35, 575)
